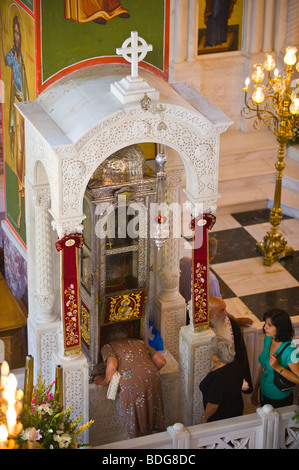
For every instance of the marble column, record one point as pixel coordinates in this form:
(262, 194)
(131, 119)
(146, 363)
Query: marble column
(42, 322)
(75, 367)
(181, 28)
(268, 40)
(169, 303)
(44, 292)
(193, 29)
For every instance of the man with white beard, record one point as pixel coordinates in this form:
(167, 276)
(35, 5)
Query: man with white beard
(226, 326)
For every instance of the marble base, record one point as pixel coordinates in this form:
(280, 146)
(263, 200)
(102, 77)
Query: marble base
(195, 364)
(130, 90)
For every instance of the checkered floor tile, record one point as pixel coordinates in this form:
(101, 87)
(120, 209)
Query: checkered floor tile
(247, 285)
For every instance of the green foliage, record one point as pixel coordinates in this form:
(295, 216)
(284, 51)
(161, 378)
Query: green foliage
(54, 427)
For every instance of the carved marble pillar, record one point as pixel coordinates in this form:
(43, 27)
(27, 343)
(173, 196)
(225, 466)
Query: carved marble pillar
(195, 364)
(170, 304)
(44, 292)
(42, 321)
(75, 367)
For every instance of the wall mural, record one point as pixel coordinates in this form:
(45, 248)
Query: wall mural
(78, 33)
(18, 76)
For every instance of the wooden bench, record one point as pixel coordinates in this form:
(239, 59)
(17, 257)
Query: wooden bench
(13, 331)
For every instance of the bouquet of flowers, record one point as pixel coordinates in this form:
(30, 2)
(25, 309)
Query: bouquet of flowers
(51, 427)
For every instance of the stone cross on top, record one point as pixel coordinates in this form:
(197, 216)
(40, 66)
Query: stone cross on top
(132, 88)
(134, 51)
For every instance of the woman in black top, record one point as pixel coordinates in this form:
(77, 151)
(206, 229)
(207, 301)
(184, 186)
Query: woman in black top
(222, 387)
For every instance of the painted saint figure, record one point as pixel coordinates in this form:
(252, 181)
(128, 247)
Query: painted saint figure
(216, 15)
(99, 11)
(18, 93)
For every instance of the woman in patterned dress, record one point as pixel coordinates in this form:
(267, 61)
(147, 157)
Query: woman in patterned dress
(140, 383)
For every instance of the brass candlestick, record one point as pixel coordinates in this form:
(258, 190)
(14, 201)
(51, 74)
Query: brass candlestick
(28, 380)
(59, 386)
(277, 107)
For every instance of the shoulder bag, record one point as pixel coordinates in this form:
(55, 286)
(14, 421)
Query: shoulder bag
(279, 381)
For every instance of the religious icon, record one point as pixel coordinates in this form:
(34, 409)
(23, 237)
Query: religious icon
(127, 306)
(216, 16)
(18, 93)
(219, 26)
(99, 11)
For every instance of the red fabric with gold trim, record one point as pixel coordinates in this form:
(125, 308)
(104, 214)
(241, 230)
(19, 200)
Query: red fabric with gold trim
(200, 269)
(68, 245)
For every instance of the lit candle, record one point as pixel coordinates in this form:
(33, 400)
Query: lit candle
(3, 436)
(4, 373)
(258, 74)
(258, 95)
(11, 418)
(10, 389)
(269, 63)
(290, 56)
(247, 81)
(294, 108)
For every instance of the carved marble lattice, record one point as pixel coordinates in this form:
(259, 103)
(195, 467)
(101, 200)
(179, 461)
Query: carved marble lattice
(48, 344)
(201, 369)
(194, 138)
(173, 321)
(229, 442)
(184, 361)
(291, 438)
(73, 390)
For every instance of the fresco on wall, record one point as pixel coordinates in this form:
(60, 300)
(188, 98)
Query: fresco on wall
(18, 75)
(78, 33)
(99, 11)
(219, 26)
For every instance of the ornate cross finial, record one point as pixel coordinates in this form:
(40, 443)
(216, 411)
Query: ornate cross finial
(132, 87)
(131, 54)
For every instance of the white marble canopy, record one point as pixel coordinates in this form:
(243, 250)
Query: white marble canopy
(70, 129)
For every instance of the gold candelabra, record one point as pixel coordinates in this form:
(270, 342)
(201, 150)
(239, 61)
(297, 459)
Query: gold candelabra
(276, 106)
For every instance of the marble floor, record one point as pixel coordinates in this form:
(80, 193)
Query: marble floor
(247, 285)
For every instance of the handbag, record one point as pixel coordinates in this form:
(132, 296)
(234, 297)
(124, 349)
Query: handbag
(113, 386)
(281, 382)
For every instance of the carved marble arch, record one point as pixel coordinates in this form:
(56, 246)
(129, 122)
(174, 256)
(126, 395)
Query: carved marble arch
(40, 174)
(190, 134)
